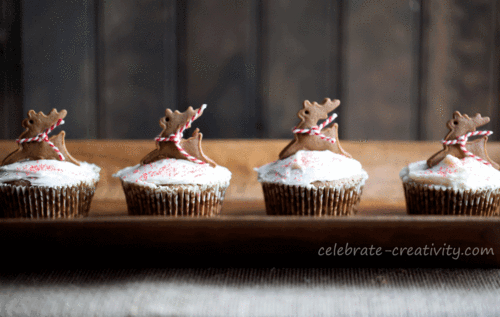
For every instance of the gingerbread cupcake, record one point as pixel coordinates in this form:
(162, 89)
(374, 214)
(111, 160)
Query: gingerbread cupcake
(459, 180)
(177, 178)
(41, 179)
(314, 176)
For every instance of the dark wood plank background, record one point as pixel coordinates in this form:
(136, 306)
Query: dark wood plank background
(399, 67)
(459, 69)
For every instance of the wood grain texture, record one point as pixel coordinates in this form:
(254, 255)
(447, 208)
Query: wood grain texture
(11, 70)
(382, 160)
(379, 74)
(138, 57)
(460, 63)
(400, 68)
(495, 63)
(244, 241)
(251, 209)
(243, 233)
(220, 60)
(59, 61)
(302, 60)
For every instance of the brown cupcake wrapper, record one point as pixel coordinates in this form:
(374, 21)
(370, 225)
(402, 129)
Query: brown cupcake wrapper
(45, 202)
(423, 199)
(292, 200)
(174, 200)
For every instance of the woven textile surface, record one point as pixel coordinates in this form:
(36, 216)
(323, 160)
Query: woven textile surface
(252, 292)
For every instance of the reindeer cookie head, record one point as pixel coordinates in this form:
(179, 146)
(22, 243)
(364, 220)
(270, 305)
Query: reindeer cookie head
(462, 124)
(311, 136)
(34, 142)
(311, 113)
(175, 120)
(37, 123)
(170, 143)
(456, 141)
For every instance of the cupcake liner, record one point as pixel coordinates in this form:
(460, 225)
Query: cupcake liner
(174, 200)
(46, 202)
(319, 201)
(422, 199)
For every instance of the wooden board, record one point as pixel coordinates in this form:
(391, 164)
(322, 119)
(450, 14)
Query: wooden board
(244, 235)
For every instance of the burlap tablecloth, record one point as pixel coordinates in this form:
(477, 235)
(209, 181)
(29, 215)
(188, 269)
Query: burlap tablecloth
(252, 292)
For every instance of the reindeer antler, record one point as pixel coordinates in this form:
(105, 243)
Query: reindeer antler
(34, 143)
(309, 115)
(37, 123)
(172, 145)
(175, 120)
(455, 143)
(462, 124)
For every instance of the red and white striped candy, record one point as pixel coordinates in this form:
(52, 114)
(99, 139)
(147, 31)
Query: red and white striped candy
(462, 141)
(316, 130)
(177, 136)
(44, 137)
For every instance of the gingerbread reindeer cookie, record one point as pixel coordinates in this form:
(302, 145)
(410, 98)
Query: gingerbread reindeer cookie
(170, 143)
(34, 143)
(311, 136)
(456, 141)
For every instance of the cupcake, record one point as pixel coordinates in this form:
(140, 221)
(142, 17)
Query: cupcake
(459, 180)
(177, 178)
(41, 179)
(314, 176)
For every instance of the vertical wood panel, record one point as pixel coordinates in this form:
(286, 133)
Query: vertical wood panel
(220, 60)
(252, 62)
(495, 75)
(139, 66)
(379, 59)
(59, 60)
(10, 69)
(302, 45)
(460, 63)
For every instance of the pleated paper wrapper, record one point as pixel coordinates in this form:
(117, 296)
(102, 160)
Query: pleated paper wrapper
(294, 200)
(175, 200)
(422, 199)
(46, 202)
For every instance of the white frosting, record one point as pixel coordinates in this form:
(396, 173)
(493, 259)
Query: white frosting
(466, 173)
(306, 167)
(50, 173)
(174, 172)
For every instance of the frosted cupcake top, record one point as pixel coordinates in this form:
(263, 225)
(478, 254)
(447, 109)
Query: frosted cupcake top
(176, 161)
(461, 164)
(174, 172)
(50, 173)
(315, 154)
(466, 173)
(43, 160)
(306, 167)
